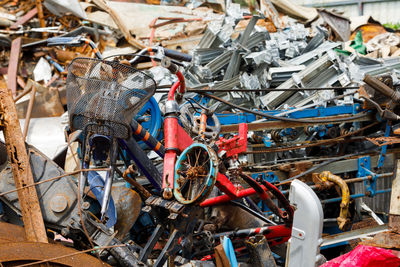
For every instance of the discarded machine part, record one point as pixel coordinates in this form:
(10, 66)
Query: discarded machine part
(304, 244)
(195, 174)
(344, 205)
(59, 195)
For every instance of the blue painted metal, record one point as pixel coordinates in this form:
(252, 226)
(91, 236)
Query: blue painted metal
(141, 160)
(270, 177)
(229, 251)
(236, 118)
(152, 122)
(267, 141)
(338, 199)
(383, 148)
(209, 181)
(364, 169)
(96, 185)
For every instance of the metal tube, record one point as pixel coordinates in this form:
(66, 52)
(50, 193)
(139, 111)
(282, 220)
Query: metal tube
(332, 200)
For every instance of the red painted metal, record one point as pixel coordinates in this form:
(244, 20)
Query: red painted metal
(172, 91)
(182, 88)
(226, 198)
(171, 149)
(184, 140)
(226, 186)
(236, 144)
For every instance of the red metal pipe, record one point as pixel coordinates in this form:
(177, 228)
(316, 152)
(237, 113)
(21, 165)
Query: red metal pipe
(173, 90)
(182, 89)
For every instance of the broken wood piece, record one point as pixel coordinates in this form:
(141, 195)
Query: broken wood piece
(24, 19)
(28, 200)
(13, 65)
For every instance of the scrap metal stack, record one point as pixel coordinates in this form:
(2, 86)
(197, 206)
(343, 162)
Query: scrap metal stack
(268, 139)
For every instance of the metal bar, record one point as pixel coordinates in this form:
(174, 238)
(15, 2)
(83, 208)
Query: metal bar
(29, 112)
(350, 235)
(21, 168)
(338, 199)
(41, 16)
(13, 65)
(285, 124)
(24, 19)
(144, 254)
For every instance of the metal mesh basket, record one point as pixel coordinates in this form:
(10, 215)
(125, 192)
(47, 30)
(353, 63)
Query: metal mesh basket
(105, 94)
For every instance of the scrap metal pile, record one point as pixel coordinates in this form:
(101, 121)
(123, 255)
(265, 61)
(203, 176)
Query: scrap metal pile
(265, 141)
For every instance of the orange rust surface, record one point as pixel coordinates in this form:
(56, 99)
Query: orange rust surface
(368, 31)
(22, 173)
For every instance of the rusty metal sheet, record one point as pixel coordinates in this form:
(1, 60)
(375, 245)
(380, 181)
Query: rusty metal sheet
(388, 240)
(368, 31)
(128, 205)
(12, 253)
(11, 233)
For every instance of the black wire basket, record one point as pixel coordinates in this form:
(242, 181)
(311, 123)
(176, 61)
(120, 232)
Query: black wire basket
(105, 95)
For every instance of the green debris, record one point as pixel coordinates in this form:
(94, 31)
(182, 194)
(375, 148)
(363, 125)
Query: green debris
(358, 45)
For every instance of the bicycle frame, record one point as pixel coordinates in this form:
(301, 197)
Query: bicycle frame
(177, 140)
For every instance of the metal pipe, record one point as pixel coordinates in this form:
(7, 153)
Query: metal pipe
(352, 180)
(344, 205)
(333, 200)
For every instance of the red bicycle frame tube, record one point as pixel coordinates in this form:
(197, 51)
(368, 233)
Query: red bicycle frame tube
(176, 138)
(231, 192)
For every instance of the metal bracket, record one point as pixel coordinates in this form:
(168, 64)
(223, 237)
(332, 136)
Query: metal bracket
(270, 177)
(364, 169)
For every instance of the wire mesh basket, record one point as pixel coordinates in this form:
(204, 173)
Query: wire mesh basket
(105, 94)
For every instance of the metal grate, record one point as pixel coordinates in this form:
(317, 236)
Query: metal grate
(106, 94)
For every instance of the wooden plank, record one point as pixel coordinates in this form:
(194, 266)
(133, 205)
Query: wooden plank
(21, 168)
(24, 19)
(13, 63)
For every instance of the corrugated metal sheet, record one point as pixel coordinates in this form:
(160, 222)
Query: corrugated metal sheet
(384, 11)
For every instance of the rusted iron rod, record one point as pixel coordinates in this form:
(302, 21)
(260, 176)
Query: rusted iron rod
(21, 169)
(29, 112)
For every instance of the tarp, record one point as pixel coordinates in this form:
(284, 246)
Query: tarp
(365, 256)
